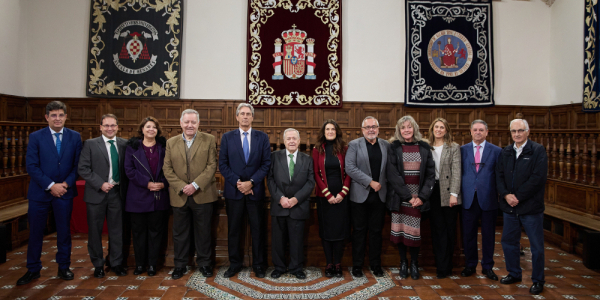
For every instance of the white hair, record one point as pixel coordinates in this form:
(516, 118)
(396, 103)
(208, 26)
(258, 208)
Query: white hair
(522, 120)
(367, 118)
(291, 129)
(190, 111)
(237, 111)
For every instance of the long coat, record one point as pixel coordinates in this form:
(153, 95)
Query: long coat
(450, 173)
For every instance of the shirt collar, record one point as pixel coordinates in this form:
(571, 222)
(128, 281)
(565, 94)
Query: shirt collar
(287, 153)
(482, 144)
(53, 132)
(107, 139)
(183, 136)
(242, 131)
(519, 148)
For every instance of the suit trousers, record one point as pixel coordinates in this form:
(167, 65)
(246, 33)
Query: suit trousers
(470, 219)
(284, 229)
(37, 216)
(511, 244)
(110, 209)
(443, 231)
(235, 217)
(368, 216)
(197, 218)
(148, 229)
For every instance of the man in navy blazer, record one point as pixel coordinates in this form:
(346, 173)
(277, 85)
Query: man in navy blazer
(244, 161)
(52, 156)
(480, 199)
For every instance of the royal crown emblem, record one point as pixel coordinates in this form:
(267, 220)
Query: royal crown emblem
(296, 55)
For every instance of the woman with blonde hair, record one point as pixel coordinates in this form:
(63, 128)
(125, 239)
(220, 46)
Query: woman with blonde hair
(411, 176)
(445, 198)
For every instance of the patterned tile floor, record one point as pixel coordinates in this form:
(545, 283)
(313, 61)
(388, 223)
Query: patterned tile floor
(566, 278)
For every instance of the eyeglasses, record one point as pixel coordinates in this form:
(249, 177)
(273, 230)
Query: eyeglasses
(370, 127)
(519, 131)
(109, 126)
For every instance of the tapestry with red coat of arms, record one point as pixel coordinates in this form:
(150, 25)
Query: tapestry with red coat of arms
(294, 54)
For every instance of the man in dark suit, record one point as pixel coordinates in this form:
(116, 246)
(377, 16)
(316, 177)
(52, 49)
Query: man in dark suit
(244, 161)
(101, 165)
(52, 156)
(480, 199)
(291, 180)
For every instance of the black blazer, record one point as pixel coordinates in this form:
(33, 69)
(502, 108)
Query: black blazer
(300, 186)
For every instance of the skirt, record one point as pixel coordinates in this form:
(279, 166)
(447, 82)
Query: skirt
(406, 226)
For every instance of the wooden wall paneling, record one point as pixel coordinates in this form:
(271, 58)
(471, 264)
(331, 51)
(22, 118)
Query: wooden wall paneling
(166, 112)
(82, 113)
(423, 116)
(586, 120)
(14, 190)
(127, 111)
(13, 108)
(38, 109)
(570, 196)
(383, 112)
(459, 118)
(560, 117)
(498, 117)
(341, 116)
(537, 117)
(596, 203)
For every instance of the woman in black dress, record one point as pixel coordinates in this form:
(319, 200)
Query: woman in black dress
(333, 185)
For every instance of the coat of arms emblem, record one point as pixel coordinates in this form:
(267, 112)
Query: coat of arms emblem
(297, 57)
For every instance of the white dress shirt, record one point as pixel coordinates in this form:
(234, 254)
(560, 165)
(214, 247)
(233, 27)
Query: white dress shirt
(287, 156)
(249, 138)
(54, 139)
(480, 150)
(519, 149)
(110, 170)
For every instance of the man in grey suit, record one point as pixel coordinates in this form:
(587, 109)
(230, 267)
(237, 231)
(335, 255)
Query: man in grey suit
(290, 180)
(101, 165)
(366, 162)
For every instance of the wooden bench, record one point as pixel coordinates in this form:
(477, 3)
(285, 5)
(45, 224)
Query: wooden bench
(10, 235)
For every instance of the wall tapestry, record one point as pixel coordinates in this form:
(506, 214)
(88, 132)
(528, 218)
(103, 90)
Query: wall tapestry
(294, 55)
(591, 63)
(449, 57)
(135, 49)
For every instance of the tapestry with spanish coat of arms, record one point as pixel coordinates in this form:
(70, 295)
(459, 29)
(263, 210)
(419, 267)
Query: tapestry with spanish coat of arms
(135, 49)
(449, 54)
(294, 56)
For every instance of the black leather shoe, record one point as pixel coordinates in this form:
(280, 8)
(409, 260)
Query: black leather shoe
(65, 274)
(377, 271)
(403, 269)
(276, 274)
(120, 271)
(489, 273)
(206, 271)
(468, 271)
(414, 270)
(299, 274)
(28, 277)
(231, 272)
(338, 271)
(441, 275)
(177, 273)
(99, 272)
(536, 288)
(509, 280)
(260, 272)
(139, 270)
(329, 271)
(357, 272)
(151, 270)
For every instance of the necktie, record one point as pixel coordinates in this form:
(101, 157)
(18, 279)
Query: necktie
(246, 147)
(292, 165)
(477, 158)
(58, 142)
(114, 160)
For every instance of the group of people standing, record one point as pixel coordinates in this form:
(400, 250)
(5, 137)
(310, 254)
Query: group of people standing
(133, 184)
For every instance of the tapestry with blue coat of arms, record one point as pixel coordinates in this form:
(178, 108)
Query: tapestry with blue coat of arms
(449, 54)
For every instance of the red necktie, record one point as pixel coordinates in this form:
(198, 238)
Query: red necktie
(477, 158)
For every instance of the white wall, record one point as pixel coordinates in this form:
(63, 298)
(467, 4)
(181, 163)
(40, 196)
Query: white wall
(214, 47)
(10, 70)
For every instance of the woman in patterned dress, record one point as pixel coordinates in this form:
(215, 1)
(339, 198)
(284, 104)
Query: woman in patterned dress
(411, 177)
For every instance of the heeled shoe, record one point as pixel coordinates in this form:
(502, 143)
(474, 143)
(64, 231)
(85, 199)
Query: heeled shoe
(338, 271)
(414, 269)
(329, 271)
(404, 269)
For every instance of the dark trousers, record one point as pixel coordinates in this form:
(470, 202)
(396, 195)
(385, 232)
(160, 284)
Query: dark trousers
(198, 216)
(511, 245)
(368, 217)
(235, 215)
(443, 231)
(147, 229)
(37, 214)
(284, 229)
(110, 209)
(334, 251)
(470, 218)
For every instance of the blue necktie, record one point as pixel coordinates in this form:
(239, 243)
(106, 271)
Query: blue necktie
(58, 142)
(246, 147)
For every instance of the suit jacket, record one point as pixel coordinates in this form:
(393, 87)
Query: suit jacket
(203, 167)
(300, 186)
(450, 174)
(233, 166)
(45, 165)
(484, 181)
(359, 169)
(94, 167)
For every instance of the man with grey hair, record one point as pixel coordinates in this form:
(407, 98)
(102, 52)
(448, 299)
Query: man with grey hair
(521, 174)
(190, 166)
(244, 161)
(366, 161)
(480, 199)
(291, 180)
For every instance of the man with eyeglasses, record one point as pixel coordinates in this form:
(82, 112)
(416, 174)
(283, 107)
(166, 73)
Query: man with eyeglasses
(521, 174)
(480, 199)
(52, 156)
(101, 166)
(366, 161)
